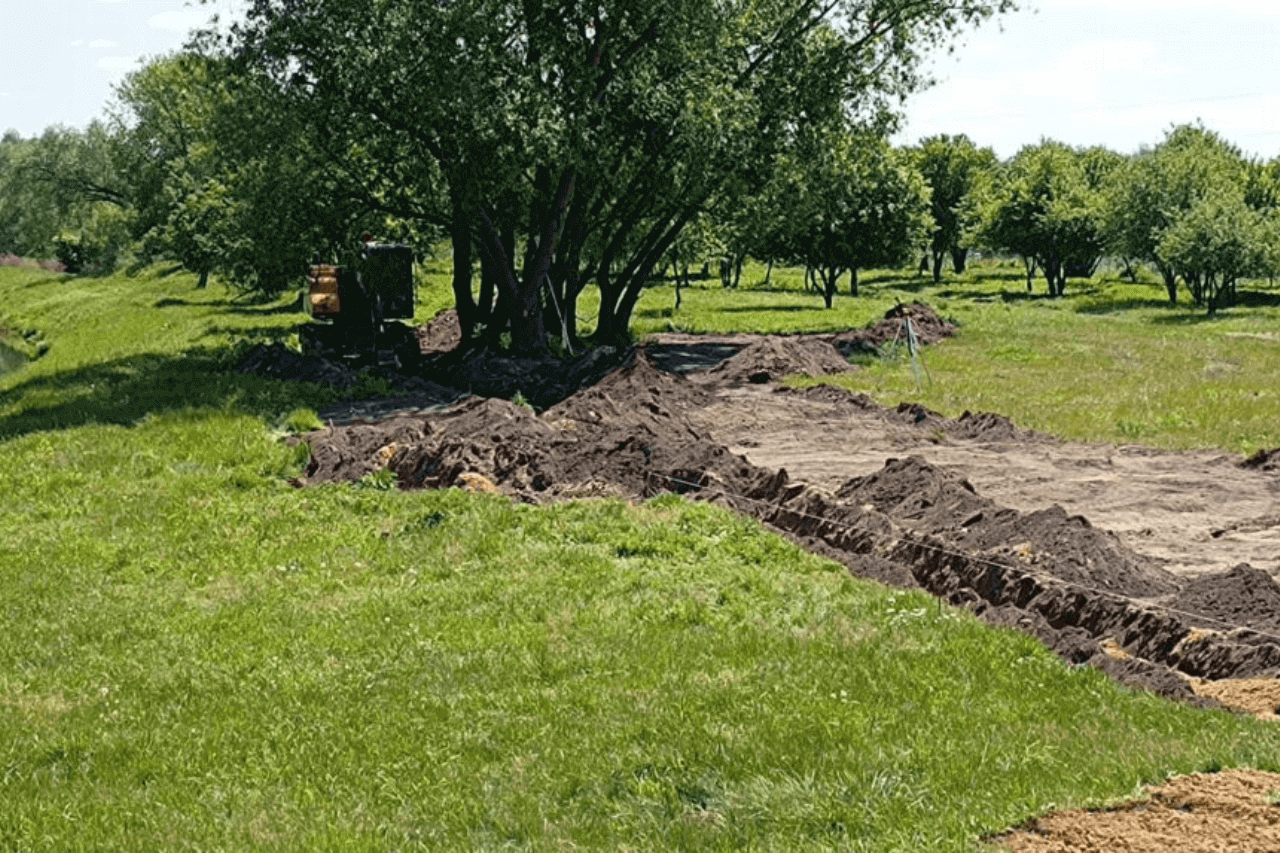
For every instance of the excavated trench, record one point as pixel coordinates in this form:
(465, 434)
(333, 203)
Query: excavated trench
(635, 433)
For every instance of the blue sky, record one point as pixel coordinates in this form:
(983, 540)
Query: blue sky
(1117, 73)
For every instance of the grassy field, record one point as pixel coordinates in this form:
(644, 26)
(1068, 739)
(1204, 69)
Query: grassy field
(1111, 361)
(194, 655)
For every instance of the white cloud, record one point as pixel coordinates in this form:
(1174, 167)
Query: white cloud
(103, 43)
(77, 42)
(180, 21)
(117, 63)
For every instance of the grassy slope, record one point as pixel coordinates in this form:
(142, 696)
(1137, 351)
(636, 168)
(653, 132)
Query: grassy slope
(193, 654)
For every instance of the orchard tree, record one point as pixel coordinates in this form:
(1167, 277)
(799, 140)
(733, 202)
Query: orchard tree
(1163, 184)
(1044, 210)
(957, 172)
(573, 142)
(1216, 243)
(859, 203)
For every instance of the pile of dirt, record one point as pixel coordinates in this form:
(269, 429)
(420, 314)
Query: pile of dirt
(619, 437)
(941, 504)
(442, 333)
(774, 356)
(1263, 460)
(1244, 596)
(927, 326)
(1201, 813)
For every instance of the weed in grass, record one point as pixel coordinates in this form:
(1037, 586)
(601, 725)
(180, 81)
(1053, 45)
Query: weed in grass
(301, 420)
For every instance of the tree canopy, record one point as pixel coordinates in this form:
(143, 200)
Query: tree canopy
(958, 173)
(573, 142)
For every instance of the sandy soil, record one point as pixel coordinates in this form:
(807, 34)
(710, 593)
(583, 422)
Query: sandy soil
(1230, 812)
(1196, 512)
(1157, 567)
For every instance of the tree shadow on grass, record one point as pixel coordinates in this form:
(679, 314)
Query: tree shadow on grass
(124, 391)
(237, 306)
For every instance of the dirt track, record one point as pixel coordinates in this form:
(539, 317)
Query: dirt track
(1157, 567)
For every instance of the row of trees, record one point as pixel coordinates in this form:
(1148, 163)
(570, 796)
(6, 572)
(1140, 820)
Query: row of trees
(557, 145)
(1192, 207)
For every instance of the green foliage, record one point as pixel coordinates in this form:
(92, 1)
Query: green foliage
(959, 175)
(301, 420)
(1047, 207)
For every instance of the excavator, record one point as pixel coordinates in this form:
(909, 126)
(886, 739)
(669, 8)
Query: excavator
(354, 309)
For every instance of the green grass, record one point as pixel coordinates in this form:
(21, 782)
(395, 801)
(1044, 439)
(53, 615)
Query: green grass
(194, 655)
(1111, 361)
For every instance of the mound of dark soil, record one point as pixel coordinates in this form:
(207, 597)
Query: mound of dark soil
(928, 327)
(985, 426)
(1264, 460)
(831, 394)
(775, 356)
(928, 500)
(1243, 596)
(442, 333)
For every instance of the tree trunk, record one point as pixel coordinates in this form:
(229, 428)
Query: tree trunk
(1170, 282)
(959, 258)
(938, 255)
(464, 302)
(204, 280)
(768, 272)
(853, 282)
(520, 301)
(830, 282)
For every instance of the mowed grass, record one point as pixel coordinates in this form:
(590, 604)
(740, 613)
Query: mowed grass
(195, 655)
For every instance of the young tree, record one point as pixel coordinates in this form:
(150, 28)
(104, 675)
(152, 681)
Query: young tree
(957, 172)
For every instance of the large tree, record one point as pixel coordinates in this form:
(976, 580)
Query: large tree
(575, 141)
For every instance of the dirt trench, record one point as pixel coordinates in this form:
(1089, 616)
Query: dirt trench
(912, 523)
(1157, 568)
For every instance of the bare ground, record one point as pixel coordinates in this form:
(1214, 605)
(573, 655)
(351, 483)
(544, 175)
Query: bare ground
(1157, 567)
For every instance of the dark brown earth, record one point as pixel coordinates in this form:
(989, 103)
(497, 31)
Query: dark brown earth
(1156, 567)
